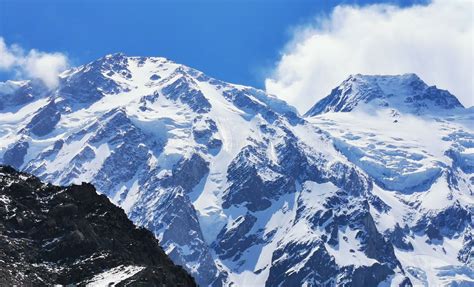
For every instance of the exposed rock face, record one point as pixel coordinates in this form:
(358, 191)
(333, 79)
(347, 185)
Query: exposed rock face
(71, 235)
(45, 120)
(91, 82)
(15, 154)
(15, 94)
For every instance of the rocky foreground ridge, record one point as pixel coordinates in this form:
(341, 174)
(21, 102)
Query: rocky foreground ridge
(72, 235)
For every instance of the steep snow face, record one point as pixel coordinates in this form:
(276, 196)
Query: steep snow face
(242, 190)
(421, 167)
(405, 93)
(154, 136)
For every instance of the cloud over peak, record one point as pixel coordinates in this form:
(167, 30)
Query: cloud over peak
(434, 41)
(32, 64)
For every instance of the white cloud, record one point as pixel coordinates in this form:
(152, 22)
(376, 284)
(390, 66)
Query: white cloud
(45, 66)
(7, 57)
(33, 64)
(434, 41)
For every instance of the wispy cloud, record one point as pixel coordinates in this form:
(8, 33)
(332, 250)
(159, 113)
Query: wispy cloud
(32, 64)
(435, 41)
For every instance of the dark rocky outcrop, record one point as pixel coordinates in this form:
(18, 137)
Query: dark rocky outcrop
(67, 235)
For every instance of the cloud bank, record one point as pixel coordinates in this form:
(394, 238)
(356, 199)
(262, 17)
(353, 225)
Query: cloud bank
(434, 41)
(32, 64)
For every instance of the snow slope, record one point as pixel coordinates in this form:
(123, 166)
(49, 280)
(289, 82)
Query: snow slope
(420, 162)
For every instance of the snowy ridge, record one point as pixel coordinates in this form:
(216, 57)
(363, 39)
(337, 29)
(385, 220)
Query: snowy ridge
(405, 93)
(241, 190)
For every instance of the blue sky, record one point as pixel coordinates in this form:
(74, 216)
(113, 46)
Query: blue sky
(236, 41)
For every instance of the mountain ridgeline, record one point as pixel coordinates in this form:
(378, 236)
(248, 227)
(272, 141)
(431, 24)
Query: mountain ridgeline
(371, 187)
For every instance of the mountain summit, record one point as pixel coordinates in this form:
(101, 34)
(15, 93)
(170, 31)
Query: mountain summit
(241, 190)
(405, 93)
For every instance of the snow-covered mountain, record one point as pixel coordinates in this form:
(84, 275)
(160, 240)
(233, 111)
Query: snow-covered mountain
(373, 186)
(405, 93)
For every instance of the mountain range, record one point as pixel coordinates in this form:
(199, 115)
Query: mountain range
(373, 186)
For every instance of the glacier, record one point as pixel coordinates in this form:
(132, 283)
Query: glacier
(371, 187)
